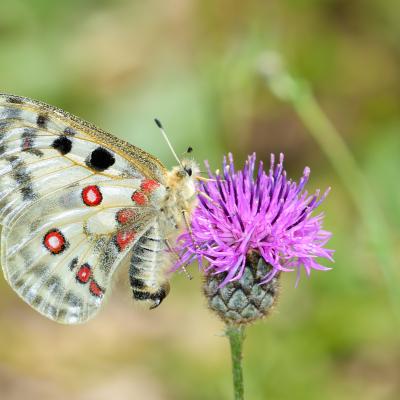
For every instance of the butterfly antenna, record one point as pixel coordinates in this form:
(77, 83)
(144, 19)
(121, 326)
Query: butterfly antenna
(158, 123)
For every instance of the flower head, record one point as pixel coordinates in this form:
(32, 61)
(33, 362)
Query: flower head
(246, 211)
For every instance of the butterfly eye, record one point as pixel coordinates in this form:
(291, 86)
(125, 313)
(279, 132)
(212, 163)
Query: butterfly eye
(189, 171)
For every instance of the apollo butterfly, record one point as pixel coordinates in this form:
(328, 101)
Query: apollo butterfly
(75, 203)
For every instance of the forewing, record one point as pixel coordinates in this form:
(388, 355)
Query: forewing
(43, 149)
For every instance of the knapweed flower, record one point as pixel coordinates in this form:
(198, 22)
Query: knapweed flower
(250, 226)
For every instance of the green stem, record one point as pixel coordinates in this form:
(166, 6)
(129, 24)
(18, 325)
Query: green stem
(236, 337)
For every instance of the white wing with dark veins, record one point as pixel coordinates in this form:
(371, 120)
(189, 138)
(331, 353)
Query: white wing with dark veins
(74, 201)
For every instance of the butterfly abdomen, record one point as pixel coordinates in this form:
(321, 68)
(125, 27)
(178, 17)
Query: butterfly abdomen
(147, 272)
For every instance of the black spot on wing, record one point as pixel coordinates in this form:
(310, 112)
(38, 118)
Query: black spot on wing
(100, 159)
(73, 263)
(68, 131)
(14, 100)
(62, 144)
(42, 120)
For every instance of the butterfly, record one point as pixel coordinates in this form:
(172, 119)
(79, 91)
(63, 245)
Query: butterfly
(76, 203)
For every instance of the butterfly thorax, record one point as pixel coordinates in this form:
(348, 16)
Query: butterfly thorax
(180, 198)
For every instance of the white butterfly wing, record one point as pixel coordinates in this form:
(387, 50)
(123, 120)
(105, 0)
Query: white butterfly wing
(74, 200)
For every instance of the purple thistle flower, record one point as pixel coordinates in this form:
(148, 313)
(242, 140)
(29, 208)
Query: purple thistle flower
(244, 211)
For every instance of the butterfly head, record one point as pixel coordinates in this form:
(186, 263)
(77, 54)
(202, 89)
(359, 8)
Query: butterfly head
(182, 181)
(180, 197)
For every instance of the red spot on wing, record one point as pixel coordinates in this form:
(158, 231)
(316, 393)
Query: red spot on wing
(95, 289)
(92, 196)
(123, 239)
(125, 215)
(54, 241)
(84, 273)
(27, 143)
(149, 185)
(139, 198)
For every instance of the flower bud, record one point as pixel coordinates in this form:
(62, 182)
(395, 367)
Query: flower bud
(244, 300)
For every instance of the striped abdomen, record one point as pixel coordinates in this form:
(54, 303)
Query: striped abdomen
(146, 272)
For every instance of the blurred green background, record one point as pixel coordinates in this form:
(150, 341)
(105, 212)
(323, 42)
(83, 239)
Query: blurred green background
(193, 64)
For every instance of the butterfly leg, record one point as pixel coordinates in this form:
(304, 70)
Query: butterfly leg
(172, 250)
